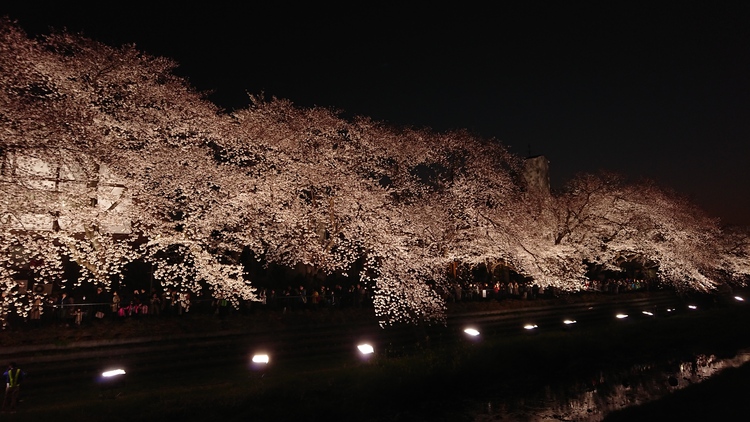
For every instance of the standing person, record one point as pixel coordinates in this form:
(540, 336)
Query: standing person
(115, 302)
(61, 302)
(222, 306)
(302, 296)
(36, 310)
(315, 298)
(155, 304)
(13, 377)
(101, 303)
(78, 316)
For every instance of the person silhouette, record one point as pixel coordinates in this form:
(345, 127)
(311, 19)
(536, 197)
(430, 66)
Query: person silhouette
(13, 377)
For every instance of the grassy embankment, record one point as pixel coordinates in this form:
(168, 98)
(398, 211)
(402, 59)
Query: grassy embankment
(429, 385)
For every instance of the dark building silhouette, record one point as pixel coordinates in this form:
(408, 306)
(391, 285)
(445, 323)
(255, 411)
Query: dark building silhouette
(536, 175)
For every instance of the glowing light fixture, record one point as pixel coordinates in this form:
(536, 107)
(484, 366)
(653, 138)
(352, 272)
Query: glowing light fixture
(648, 313)
(113, 373)
(366, 349)
(569, 321)
(739, 299)
(621, 316)
(472, 332)
(692, 307)
(530, 326)
(260, 358)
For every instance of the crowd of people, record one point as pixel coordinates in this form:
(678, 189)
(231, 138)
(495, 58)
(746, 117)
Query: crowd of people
(118, 304)
(530, 291)
(75, 310)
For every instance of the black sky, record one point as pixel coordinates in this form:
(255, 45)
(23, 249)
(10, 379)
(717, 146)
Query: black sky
(658, 90)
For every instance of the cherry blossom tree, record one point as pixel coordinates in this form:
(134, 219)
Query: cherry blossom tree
(109, 158)
(606, 221)
(734, 249)
(352, 194)
(93, 137)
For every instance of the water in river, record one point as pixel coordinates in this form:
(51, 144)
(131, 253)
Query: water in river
(591, 400)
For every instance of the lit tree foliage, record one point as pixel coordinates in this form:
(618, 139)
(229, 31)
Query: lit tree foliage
(606, 221)
(735, 254)
(108, 158)
(78, 118)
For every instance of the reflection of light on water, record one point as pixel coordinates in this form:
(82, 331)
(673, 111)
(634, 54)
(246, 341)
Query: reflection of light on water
(592, 400)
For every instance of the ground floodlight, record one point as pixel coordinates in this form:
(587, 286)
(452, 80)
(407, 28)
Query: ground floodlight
(113, 373)
(739, 299)
(569, 321)
(260, 358)
(366, 349)
(621, 316)
(472, 332)
(530, 326)
(692, 307)
(648, 313)
(259, 362)
(110, 381)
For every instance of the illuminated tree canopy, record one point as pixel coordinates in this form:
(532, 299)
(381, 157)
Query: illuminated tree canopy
(109, 158)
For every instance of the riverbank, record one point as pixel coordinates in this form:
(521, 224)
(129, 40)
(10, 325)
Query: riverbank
(436, 384)
(720, 398)
(52, 330)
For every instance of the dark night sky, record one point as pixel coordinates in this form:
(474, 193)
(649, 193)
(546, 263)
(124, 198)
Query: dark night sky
(658, 90)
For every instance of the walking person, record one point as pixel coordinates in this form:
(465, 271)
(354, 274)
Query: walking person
(13, 377)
